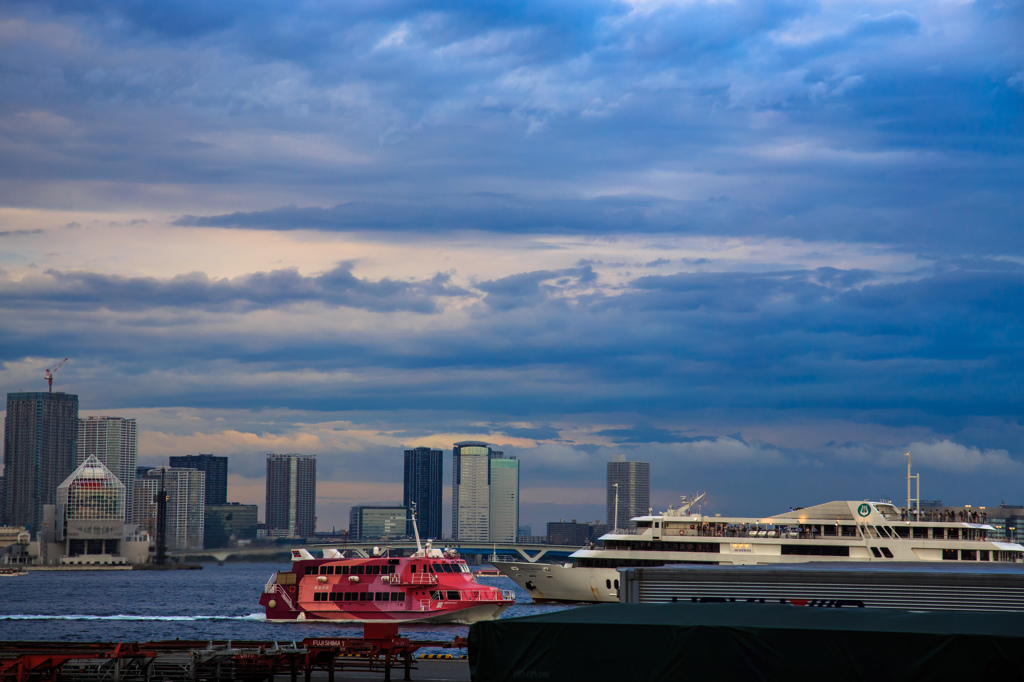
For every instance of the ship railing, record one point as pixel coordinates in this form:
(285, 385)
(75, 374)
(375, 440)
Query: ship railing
(415, 579)
(271, 585)
(508, 595)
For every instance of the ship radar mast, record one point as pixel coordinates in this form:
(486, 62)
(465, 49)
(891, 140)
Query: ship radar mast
(416, 530)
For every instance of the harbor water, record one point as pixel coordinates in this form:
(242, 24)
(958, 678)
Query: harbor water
(217, 602)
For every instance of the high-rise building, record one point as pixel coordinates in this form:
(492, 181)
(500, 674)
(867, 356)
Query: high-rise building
(634, 491)
(423, 474)
(3, 506)
(471, 501)
(368, 522)
(39, 452)
(216, 470)
(503, 511)
(291, 495)
(112, 440)
(186, 493)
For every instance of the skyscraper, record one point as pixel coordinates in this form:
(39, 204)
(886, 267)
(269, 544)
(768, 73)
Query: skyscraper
(503, 513)
(39, 452)
(291, 495)
(112, 440)
(471, 500)
(216, 470)
(423, 470)
(186, 492)
(634, 488)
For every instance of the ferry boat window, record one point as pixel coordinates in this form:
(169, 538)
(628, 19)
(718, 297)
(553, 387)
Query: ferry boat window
(902, 531)
(323, 570)
(380, 596)
(310, 570)
(436, 595)
(358, 570)
(608, 584)
(874, 550)
(953, 533)
(920, 532)
(453, 595)
(344, 570)
(657, 524)
(949, 555)
(396, 596)
(317, 596)
(983, 555)
(968, 555)
(362, 595)
(830, 530)
(643, 524)
(886, 553)
(616, 584)
(447, 568)
(350, 596)
(849, 531)
(330, 570)
(375, 570)
(412, 568)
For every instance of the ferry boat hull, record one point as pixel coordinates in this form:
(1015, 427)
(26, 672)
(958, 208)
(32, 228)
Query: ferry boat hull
(844, 532)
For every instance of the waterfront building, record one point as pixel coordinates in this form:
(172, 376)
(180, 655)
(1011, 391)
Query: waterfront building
(229, 524)
(573, 533)
(291, 495)
(471, 499)
(216, 470)
(367, 522)
(423, 486)
(503, 511)
(113, 441)
(186, 493)
(633, 480)
(39, 453)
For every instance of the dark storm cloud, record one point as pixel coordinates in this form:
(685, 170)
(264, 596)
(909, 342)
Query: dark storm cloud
(197, 291)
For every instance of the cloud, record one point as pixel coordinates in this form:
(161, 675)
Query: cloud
(197, 291)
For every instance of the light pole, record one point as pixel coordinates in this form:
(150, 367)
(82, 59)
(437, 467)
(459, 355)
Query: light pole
(616, 486)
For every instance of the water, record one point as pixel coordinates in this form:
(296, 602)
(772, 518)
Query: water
(218, 602)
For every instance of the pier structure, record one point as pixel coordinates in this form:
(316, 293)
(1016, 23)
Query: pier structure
(380, 650)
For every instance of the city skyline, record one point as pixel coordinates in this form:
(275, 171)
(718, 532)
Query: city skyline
(766, 247)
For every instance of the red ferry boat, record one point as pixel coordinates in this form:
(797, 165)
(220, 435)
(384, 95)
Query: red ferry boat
(431, 586)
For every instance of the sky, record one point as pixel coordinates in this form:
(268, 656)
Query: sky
(769, 247)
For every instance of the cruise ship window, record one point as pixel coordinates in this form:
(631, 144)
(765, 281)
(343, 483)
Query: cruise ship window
(968, 555)
(886, 552)
(616, 584)
(949, 555)
(874, 550)
(921, 533)
(953, 533)
(983, 555)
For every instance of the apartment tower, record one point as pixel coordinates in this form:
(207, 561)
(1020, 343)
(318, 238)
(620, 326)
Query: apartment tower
(113, 441)
(634, 491)
(39, 453)
(422, 485)
(291, 495)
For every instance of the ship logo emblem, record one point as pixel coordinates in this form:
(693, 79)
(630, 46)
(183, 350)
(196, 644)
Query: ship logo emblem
(864, 509)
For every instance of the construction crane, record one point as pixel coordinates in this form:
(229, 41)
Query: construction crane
(50, 372)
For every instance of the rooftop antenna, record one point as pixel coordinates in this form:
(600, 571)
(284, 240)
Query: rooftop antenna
(50, 373)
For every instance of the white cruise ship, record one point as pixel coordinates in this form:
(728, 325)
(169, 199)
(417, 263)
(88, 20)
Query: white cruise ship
(841, 531)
